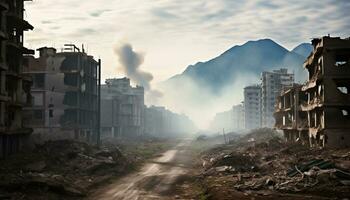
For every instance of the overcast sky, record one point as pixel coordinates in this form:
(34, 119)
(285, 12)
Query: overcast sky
(173, 34)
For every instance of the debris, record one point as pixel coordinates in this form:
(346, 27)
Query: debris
(70, 167)
(278, 167)
(36, 166)
(320, 163)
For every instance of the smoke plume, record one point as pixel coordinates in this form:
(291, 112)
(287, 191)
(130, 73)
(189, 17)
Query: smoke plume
(131, 62)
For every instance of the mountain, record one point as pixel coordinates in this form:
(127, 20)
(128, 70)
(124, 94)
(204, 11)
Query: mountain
(303, 49)
(249, 59)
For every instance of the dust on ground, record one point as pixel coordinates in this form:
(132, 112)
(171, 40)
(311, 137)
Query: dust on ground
(260, 165)
(69, 169)
(159, 178)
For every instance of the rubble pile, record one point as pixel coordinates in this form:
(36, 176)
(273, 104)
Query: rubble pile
(272, 166)
(58, 168)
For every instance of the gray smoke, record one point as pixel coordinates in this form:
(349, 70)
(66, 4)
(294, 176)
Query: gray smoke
(131, 62)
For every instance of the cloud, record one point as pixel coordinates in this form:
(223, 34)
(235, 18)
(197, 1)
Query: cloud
(177, 33)
(46, 22)
(163, 14)
(267, 4)
(87, 31)
(98, 13)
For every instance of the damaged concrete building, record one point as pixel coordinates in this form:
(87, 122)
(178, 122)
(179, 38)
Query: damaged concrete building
(14, 86)
(289, 115)
(328, 105)
(65, 94)
(272, 84)
(317, 113)
(122, 109)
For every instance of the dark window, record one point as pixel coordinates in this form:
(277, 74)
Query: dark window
(38, 81)
(38, 114)
(71, 79)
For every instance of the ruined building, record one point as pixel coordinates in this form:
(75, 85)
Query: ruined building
(14, 86)
(271, 86)
(252, 107)
(122, 109)
(290, 117)
(65, 94)
(328, 105)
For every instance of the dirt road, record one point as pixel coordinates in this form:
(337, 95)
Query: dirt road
(155, 180)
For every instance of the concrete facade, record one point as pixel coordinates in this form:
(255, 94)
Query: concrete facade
(289, 114)
(65, 95)
(252, 107)
(272, 84)
(14, 86)
(328, 105)
(122, 109)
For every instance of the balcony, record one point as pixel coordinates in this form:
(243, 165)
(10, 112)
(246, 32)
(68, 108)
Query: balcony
(18, 22)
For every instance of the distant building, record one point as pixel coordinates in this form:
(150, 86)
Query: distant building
(328, 105)
(289, 114)
(156, 121)
(14, 86)
(161, 122)
(238, 119)
(272, 84)
(252, 107)
(122, 109)
(223, 121)
(64, 91)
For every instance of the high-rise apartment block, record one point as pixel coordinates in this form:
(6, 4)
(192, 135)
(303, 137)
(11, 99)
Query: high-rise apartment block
(252, 106)
(272, 84)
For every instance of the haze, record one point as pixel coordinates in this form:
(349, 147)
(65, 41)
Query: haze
(174, 34)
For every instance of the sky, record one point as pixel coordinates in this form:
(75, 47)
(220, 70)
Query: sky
(172, 34)
(169, 35)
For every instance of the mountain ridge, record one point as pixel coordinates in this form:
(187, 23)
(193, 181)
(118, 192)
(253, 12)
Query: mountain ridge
(252, 57)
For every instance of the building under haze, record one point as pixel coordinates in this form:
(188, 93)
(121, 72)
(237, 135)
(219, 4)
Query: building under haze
(65, 94)
(252, 107)
(271, 86)
(122, 109)
(238, 119)
(222, 122)
(14, 86)
(161, 122)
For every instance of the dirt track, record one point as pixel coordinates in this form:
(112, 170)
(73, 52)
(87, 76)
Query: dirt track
(157, 179)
